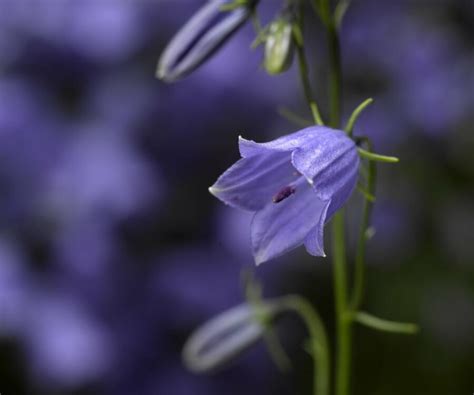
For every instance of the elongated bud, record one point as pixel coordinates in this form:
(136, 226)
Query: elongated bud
(279, 45)
(226, 336)
(201, 36)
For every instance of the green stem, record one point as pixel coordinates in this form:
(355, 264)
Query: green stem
(359, 270)
(303, 71)
(335, 75)
(319, 342)
(343, 318)
(344, 321)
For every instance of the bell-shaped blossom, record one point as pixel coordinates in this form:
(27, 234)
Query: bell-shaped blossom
(294, 184)
(204, 34)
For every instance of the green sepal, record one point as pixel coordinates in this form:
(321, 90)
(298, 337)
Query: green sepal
(355, 115)
(377, 157)
(382, 325)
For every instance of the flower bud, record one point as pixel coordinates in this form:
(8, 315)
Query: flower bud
(226, 336)
(201, 36)
(279, 46)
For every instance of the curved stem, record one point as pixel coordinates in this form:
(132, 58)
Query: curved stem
(319, 342)
(303, 71)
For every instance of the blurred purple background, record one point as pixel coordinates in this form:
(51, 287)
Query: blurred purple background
(112, 251)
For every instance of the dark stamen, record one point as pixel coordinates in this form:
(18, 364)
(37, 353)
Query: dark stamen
(283, 194)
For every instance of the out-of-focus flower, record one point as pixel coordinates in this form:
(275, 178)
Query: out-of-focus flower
(174, 283)
(226, 336)
(100, 175)
(204, 34)
(99, 31)
(294, 184)
(66, 346)
(279, 46)
(15, 282)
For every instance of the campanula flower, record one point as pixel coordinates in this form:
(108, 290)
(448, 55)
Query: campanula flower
(204, 34)
(294, 184)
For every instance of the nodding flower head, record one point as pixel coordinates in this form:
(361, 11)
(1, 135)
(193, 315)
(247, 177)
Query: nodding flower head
(206, 31)
(294, 184)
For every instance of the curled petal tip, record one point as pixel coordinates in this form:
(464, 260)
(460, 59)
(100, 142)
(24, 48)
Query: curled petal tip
(259, 259)
(160, 74)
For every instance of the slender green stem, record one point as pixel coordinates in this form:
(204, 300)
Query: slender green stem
(253, 295)
(359, 271)
(344, 321)
(303, 66)
(303, 71)
(294, 117)
(343, 318)
(335, 75)
(319, 342)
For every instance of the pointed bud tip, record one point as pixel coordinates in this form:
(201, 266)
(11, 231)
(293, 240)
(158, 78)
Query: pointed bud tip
(160, 74)
(212, 190)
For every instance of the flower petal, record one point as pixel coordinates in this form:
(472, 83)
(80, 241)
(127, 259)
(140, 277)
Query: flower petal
(280, 227)
(339, 185)
(251, 183)
(329, 151)
(338, 182)
(314, 241)
(289, 142)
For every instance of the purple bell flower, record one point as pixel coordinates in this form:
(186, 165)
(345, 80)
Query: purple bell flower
(294, 184)
(204, 34)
